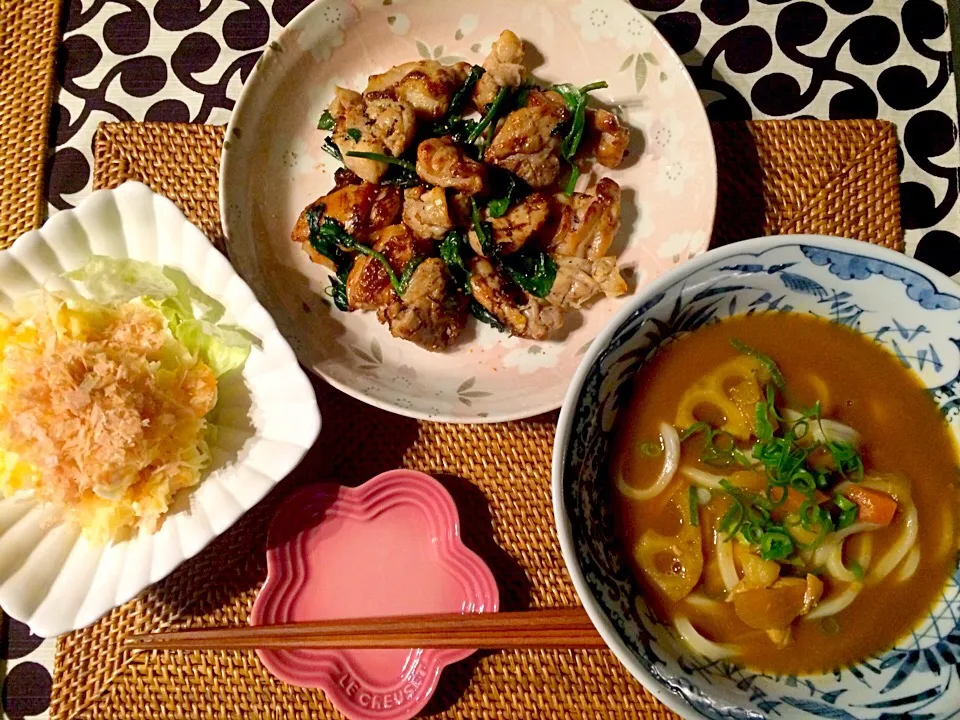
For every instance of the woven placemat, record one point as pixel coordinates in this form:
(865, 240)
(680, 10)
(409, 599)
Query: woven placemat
(838, 178)
(29, 30)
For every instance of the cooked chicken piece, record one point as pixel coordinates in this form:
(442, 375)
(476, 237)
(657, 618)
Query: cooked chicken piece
(368, 285)
(382, 125)
(521, 222)
(503, 66)
(442, 163)
(608, 277)
(523, 315)
(426, 212)
(606, 139)
(526, 143)
(585, 225)
(425, 85)
(542, 319)
(343, 100)
(363, 209)
(431, 312)
(579, 280)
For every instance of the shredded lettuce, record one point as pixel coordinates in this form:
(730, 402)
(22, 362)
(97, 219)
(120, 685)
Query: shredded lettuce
(192, 316)
(222, 348)
(115, 281)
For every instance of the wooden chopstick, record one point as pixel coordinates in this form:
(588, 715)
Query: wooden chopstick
(557, 628)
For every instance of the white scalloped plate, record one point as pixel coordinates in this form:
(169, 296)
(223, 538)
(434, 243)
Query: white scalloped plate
(50, 577)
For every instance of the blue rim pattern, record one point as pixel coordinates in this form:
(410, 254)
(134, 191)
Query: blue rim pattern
(920, 677)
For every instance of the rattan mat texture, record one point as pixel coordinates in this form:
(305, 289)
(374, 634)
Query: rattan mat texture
(778, 176)
(29, 31)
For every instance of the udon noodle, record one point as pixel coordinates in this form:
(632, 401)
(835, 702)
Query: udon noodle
(777, 496)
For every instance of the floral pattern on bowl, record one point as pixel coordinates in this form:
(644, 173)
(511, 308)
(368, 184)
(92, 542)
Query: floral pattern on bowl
(268, 177)
(389, 547)
(900, 303)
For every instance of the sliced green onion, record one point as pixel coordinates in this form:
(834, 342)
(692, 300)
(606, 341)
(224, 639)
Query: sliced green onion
(857, 570)
(742, 459)
(693, 430)
(809, 515)
(803, 481)
(843, 502)
(732, 519)
(752, 533)
(847, 517)
(775, 545)
(765, 360)
(651, 449)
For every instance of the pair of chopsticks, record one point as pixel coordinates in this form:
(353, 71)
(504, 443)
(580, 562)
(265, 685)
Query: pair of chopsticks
(557, 628)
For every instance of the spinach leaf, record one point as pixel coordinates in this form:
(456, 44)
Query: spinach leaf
(451, 123)
(325, 243)
(459, 129)
(332, 236)
(402, 173)
(327, 121)
(523, 94)
(388, 159)
(483, 230)
(534, 272)
(461, 96)
(485, 316)
(338, 290)
(452, 253)
(571, 180)
(409, 269)
(498, 206)
(354, 134)
(330, 147)
(576, 102)
(492, 111)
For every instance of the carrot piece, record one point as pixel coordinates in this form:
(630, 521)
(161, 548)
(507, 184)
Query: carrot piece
(875, 507)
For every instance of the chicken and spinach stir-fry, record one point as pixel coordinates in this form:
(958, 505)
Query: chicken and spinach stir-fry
(457, 198)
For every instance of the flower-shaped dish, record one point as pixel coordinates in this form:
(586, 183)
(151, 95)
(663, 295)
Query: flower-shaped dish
(389, 547)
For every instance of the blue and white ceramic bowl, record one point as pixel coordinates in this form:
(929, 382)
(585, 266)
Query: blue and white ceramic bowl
(912, 310)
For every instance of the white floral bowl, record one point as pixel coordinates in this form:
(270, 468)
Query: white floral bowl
(905, 305)
(51, 578)
(274, 165)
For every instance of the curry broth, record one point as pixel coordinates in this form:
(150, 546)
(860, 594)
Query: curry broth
(861, 385)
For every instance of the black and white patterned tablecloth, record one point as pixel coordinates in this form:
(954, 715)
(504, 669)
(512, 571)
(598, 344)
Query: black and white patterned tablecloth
(186, 60)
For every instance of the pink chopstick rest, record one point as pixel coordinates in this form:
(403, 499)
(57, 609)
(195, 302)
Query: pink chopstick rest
(389, 547)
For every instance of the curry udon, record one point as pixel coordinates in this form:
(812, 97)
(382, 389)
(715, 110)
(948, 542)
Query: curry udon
(787, 492)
